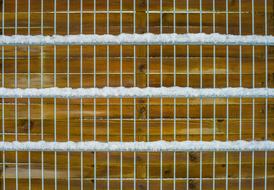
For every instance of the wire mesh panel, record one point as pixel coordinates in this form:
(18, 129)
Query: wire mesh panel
(225, 93)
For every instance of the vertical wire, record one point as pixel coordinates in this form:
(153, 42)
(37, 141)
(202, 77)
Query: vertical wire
(148, 103)
(161, 47)
(201, 100)
(94, 138)
(94, 99)
(16, 102)
(68, 138)
(2, 47)
(81, 100)
(253, 12)
(108, 167)
(187, 65)
(55, 153)
(81, 16)
(134, 47)
(161, 153)
(161, 138)
(3, 140)
(253, 86)
(201, 139)
(201, 49)
(54, 45)
(266, 100)
(134, 123)
(42, 100)
(240, 153)
(148, 139)
(148, 114)
(147, 17)
(134, 68)
(214, 99)
(3, 102)
(161, 99)
(240, 132)
(174, 100)
(227, 139)
(121, 47)
(266, 138)
(29, 153)
(227, 102)
(121, 140)
(81, 139)
(68, 100)
(107, 45)
(54, 17)
(94, 125)
(15, 53)
(28, 46)
(121, 100)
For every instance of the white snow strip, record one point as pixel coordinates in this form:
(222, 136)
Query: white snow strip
(139, 39)
(155, 146)
(116, 92)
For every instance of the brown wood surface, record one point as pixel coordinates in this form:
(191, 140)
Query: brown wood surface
(141, 6)
(143, 73)
(147, 74)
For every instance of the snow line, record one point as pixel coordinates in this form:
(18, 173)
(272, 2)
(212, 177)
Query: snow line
(135, 92)
(155, 146)
(139, 39)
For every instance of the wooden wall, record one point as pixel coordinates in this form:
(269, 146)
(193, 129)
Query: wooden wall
(29, 70)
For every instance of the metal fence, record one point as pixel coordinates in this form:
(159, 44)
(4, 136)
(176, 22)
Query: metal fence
(217, 89)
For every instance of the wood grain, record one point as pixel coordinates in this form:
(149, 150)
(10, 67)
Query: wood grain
(148, 111)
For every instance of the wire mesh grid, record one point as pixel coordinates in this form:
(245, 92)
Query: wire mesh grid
(136, 119)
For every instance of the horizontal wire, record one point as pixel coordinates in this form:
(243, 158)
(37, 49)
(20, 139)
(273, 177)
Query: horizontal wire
(145, 179)
(154, 146)
(138, 39)
(118, 92)
(130, 12)
(195, 12)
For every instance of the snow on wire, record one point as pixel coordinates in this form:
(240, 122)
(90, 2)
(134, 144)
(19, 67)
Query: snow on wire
(138, 39)
(155, 146)
(135, 92)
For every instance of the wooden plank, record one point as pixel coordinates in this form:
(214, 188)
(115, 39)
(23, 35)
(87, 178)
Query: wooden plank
(234, 80)
(141, 74)
(154, 171)
(128, 157)
(194, 184)
(48, 119)
(128, 111)
(128, 5)
(141, 130)
(141, 169)
(141, 65)
(61, 67)
(128, 17)
(154, 51)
